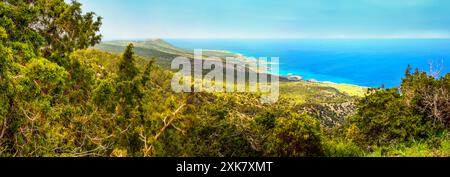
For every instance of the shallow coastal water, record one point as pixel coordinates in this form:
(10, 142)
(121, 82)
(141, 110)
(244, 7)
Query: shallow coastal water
(364, 62)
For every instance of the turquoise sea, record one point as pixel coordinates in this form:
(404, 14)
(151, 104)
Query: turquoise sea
(364, 62)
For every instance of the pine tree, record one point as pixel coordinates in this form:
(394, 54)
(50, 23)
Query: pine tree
(127, 66)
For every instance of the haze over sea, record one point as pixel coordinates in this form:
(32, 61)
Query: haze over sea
(364, 62)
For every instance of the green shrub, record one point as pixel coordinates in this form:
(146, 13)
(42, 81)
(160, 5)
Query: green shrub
(383, 118)
(295, 135)
(342, 148)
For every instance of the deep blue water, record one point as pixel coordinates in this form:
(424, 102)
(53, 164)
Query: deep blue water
(364, 62)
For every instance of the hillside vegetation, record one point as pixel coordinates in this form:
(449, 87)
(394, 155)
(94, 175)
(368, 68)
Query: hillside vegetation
(161, 50)
(60, 97)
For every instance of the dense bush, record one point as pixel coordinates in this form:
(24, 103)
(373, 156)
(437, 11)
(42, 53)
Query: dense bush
(295, 135)
(418, 110)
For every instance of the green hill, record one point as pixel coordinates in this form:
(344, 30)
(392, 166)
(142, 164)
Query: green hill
(159, 49)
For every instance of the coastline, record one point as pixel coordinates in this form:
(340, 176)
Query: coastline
(285, 78)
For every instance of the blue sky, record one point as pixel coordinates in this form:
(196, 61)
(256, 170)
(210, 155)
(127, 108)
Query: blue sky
(138, 19)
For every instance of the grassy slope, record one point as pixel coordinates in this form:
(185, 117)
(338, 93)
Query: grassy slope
(304, 92)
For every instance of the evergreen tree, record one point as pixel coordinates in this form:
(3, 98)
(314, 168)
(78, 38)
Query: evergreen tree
(52, 28)
(127, 66)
